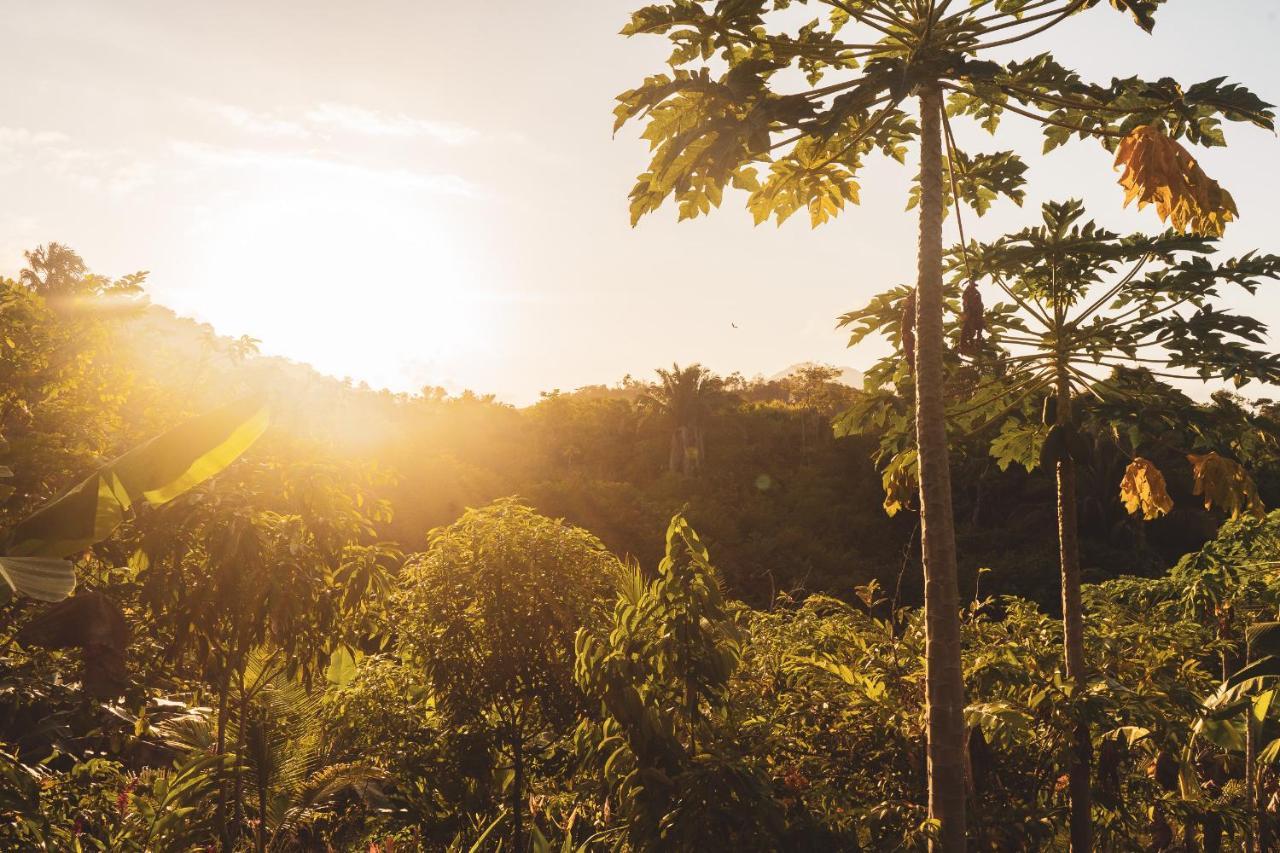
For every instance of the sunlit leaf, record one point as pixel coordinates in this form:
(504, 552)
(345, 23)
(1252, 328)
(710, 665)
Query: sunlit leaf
(153, 473)
(342, 667)
(1225, 485)
(900, 482)
(1159, 171)
(1143, 490)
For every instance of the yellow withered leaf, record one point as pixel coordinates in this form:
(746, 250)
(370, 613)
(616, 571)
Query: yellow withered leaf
(900, 483)
(1159, 171)
(1143, 490)
(1226, 485)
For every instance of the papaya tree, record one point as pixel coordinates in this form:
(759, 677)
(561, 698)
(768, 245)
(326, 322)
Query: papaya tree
(873, 78)
(1087, 309)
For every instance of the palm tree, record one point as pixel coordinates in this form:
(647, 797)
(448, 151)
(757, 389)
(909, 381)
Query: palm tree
(875, 75)
(54, 270)
(280, 755)
(684, 397)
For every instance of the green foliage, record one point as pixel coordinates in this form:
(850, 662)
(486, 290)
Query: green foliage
(733, 103)
(490, 611)
(296, 679)
(154, 473)
(665, 749)
(1104, 313)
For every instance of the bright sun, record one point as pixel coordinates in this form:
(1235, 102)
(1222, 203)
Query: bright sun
(355, 276)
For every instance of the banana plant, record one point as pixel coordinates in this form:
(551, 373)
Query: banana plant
(34, 553)
(1235, 716)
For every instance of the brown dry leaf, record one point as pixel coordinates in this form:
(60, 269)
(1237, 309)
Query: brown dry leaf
(1226, 485)
(1159, 171)
(1143, 490)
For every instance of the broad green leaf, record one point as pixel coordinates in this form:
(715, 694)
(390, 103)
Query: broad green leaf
(1228, 734)
(1264, 639)
(342, 667)
(1262, 704)
(1270, 753)
(154, 473)
(41, 578)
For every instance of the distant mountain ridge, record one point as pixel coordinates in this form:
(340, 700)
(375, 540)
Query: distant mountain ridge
(848, 375)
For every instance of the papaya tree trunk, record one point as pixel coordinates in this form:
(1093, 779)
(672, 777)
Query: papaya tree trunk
(944, 675)
(1078, 773)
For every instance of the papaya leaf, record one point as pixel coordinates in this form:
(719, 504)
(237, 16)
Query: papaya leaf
(1020, 443)
(1143, 490)
(1159, 171)
(1226, 485)
(900, 482)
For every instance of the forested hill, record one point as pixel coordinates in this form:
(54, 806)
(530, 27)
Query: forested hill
(782, 504)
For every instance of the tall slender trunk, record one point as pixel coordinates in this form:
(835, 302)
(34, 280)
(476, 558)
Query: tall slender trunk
(1078, 774)
(1254, 842)
(517, 790)
(261, 835)
(237, 794)
(220, 810)
(944, 674)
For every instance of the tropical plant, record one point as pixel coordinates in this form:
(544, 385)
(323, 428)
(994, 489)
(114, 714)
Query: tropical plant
(684, 397)
(661, 671)
(282, 761)
(35, 549)
(253, 562)
(709, 129)
(489, 613)
(1086, 303)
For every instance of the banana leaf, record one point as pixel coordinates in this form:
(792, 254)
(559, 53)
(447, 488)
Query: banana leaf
(41, 578)
(153, 473)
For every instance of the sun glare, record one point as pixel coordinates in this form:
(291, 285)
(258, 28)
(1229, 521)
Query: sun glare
(352, 276)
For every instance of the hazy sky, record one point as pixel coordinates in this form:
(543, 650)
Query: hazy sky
(415, 192)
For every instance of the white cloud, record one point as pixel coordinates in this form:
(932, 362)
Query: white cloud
(353, 119)
(258, 124)
(88, 168)
(329, 117)
(280, 163)
(21, 148)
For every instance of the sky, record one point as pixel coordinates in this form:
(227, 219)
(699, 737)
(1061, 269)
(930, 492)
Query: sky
(417, 192)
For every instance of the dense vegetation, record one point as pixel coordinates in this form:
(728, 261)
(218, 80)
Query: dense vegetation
(353, 636)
